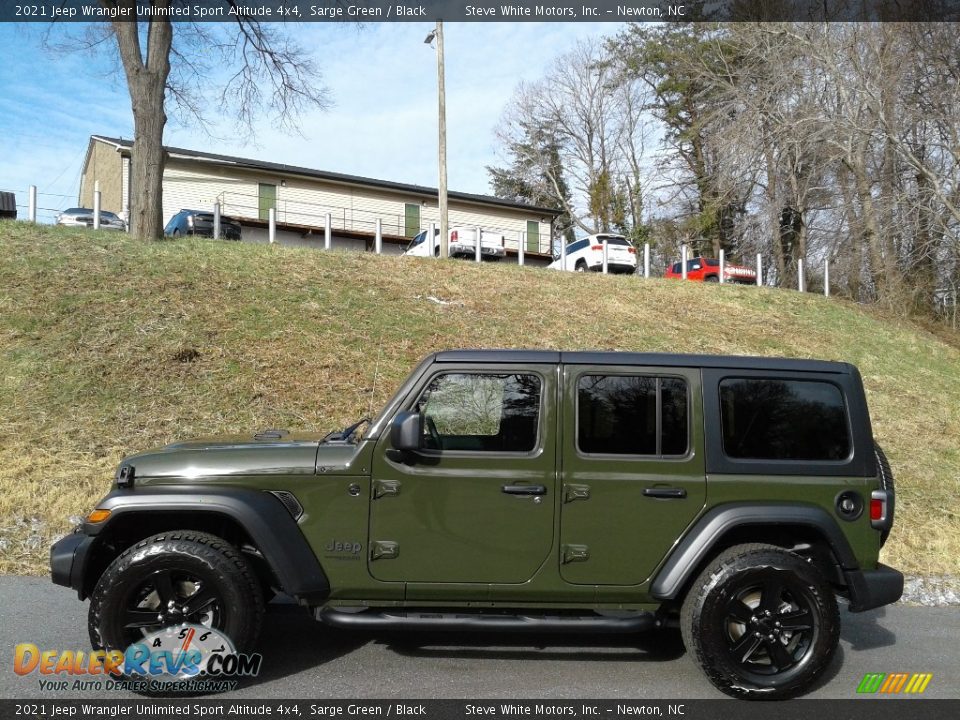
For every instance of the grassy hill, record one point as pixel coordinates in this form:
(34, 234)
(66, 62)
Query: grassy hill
(109, 346)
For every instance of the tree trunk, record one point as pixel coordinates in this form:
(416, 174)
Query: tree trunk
(146, 165)
(147, 80)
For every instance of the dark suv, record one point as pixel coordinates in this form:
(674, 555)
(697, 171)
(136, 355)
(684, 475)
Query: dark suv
(196, 222)
(599, 492)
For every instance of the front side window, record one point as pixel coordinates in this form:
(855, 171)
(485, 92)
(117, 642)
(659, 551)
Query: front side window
(632, 415)
(772, 419)
(481, 412)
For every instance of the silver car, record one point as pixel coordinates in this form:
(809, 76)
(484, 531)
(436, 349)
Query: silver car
(83, 217)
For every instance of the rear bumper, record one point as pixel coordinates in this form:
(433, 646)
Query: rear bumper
(68, 561)
(871, 589)
(615, 267)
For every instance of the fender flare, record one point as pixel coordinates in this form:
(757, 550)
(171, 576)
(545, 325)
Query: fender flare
(261, 514)
(699, 541)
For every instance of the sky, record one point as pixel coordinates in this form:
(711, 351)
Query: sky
(383, 123)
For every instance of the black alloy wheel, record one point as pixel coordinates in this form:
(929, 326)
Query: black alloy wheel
(761, 621)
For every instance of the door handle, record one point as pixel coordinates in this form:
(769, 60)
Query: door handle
(665, 492)
(525, 489)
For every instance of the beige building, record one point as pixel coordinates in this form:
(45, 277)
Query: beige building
(303, 199)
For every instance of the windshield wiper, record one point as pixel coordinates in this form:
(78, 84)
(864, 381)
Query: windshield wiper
(347, 432)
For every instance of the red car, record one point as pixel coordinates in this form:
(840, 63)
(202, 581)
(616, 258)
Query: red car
(708, 270)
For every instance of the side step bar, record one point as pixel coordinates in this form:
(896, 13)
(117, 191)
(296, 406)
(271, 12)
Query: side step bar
(425, 620)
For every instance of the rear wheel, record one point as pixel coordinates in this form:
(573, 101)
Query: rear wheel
(173, 578)
(761, 621)
(712, 278)
(581, 266)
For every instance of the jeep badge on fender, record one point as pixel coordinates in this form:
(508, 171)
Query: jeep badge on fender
(734, 496)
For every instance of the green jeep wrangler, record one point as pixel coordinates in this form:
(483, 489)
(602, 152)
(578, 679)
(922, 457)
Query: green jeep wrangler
(512, 490)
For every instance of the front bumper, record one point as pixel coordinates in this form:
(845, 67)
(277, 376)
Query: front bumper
(68, 561)
(871, 589)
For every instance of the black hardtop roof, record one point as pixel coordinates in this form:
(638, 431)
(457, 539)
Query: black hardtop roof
(590, 357)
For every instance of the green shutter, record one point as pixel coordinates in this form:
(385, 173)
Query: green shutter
(411, 220)
(268, 199)
(533, 236)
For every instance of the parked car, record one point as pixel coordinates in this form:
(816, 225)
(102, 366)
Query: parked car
(703, 269)
(199, 222)
(524, 490)
(83, 217)
(8, 205)
(587, 254)
(462, 244)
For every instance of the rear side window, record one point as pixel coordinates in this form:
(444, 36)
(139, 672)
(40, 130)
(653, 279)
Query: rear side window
(632, 415)
(771, 419)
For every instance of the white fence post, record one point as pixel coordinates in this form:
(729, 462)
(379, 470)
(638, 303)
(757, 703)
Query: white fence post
(273, 225)
(801, 286)
(431, 241)
(378, 238)
(606, 258)
(32, 204)
(646, 260)
(563, 253)
(96, 205)
(521, 247)
(723, 264)
(327, 231)
(476, 244)
(216, 220)
(759, 269)
(683, 261)
(826, 278)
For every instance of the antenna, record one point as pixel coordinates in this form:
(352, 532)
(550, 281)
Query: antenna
(376, 374)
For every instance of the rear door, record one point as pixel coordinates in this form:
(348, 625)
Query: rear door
(633, 469)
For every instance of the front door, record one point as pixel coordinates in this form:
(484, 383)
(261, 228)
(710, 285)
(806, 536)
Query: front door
(476, 504)
(633, 471)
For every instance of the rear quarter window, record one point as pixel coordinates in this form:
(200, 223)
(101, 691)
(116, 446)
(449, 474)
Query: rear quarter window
(783, 419)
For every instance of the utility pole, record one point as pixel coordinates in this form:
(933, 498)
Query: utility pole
(437, 34)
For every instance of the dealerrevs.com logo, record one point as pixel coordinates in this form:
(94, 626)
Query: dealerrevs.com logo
(180, 658)
(894, 683)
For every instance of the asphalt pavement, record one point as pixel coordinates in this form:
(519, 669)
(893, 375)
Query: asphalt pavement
(305, 660)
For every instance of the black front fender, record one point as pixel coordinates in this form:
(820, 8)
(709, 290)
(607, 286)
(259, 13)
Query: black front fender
(261, 515)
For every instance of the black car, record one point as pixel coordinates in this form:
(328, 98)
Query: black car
(197, 222)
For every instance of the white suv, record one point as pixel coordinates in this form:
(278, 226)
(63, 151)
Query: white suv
(587, 254)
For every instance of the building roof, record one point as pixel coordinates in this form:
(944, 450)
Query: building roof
(125, 145)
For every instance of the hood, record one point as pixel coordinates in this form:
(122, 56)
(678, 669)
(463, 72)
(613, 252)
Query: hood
(268, 453)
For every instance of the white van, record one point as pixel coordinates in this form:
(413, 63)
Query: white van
(462, 244)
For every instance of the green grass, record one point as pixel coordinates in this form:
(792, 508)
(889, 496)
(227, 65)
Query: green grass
(110, 346)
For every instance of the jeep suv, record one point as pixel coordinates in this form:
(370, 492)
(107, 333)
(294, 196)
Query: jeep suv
(514, 490)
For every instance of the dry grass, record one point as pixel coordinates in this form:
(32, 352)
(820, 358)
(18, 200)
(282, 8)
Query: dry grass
(109, 346)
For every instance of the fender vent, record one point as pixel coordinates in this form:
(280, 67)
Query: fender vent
(290, 502)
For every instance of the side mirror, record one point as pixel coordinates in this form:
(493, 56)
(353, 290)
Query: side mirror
(406, 431)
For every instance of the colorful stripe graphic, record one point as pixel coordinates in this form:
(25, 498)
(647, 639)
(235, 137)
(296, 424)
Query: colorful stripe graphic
(894, 683)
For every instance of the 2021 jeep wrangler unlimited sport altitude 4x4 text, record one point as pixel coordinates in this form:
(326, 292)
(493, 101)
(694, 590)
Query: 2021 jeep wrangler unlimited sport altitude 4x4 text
(525, 490)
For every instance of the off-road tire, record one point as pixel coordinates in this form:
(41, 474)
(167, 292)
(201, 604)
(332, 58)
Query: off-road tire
(886, 483)
(240, 608)
(710, 628)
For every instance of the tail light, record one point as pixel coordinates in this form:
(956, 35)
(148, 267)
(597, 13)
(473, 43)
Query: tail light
(879, 502)
(632, 250)
(596, 247)
(453, 236)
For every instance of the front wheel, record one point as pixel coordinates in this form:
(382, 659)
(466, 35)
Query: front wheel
(761, 621)
(173, 578)
(712, 279)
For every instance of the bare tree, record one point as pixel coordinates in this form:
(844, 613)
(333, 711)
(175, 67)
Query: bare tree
(173, 66)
